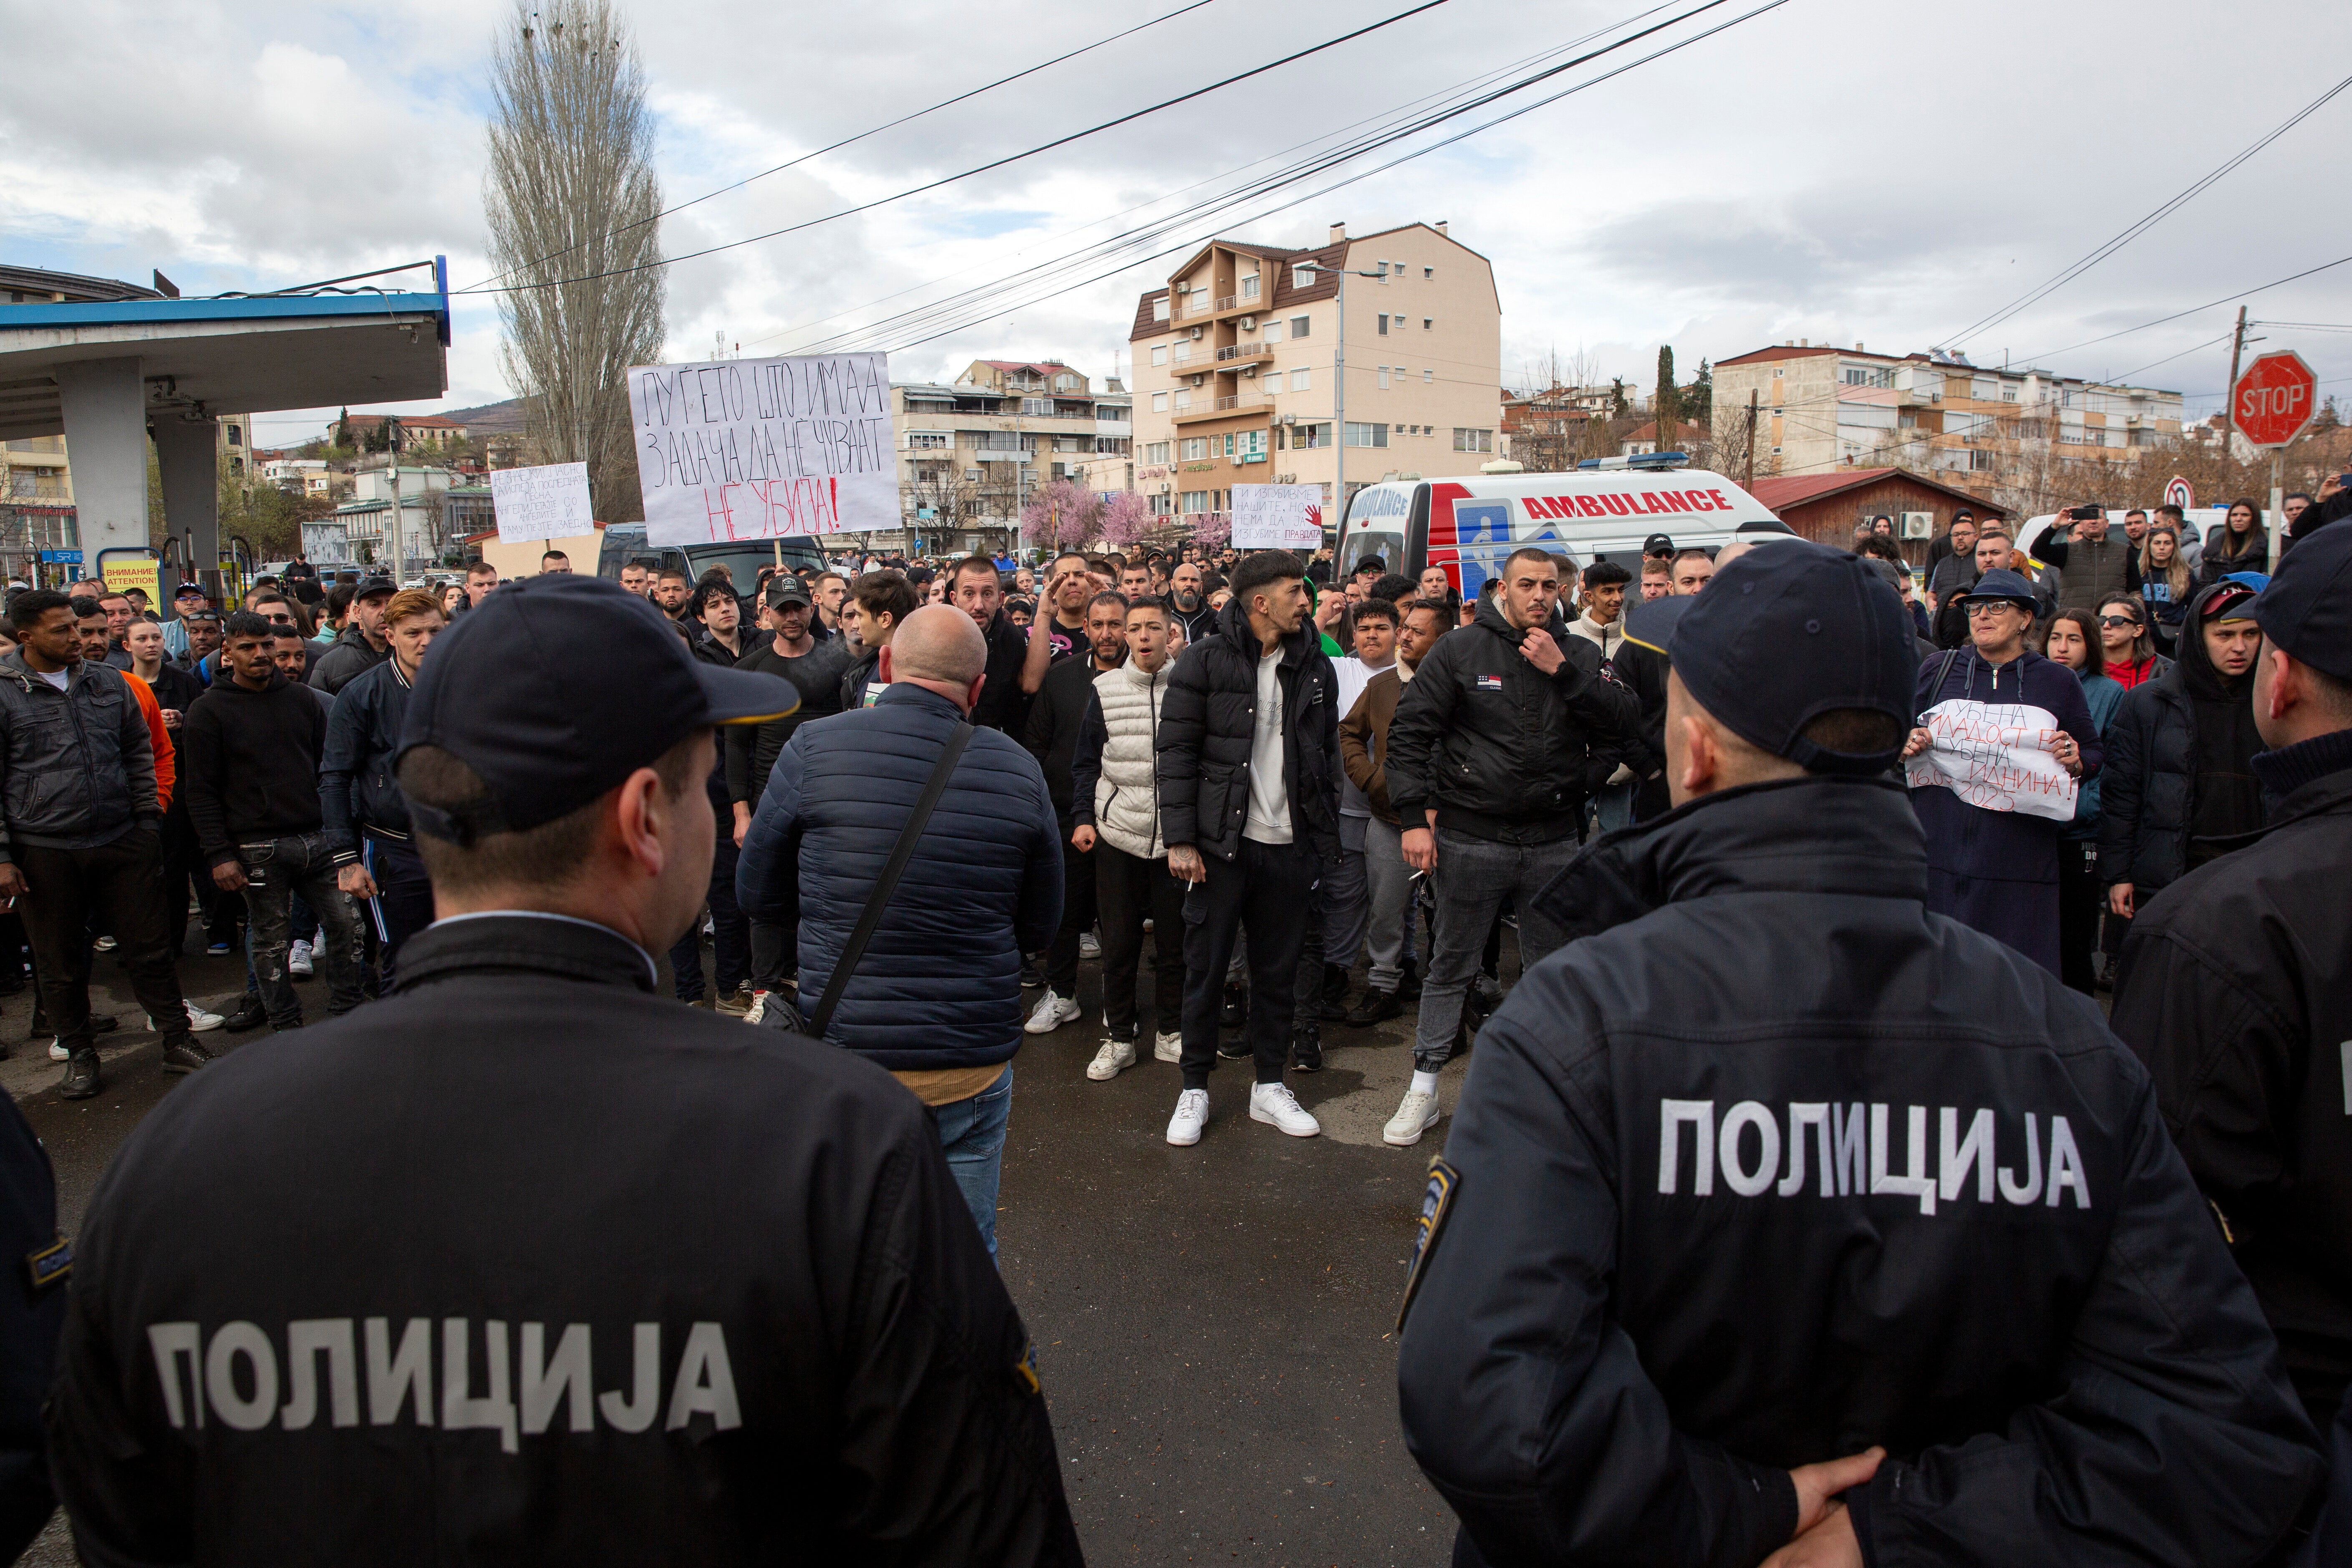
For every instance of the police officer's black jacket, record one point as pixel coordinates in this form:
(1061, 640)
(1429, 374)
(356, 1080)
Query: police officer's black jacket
(2236, 989)
(1202, 751)
(1494, 743)
(1768, 1164)
(525, 1264)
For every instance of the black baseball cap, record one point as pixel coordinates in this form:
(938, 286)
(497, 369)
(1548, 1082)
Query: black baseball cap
(787, 590)
(371, 586)
(2001, 583)
(185, 589)
(501, 693)
(2307, 608)
(1658, 544)
(1782, 636)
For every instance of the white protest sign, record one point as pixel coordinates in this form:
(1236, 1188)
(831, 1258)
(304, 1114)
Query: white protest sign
(1996, 756)
(1278, 517)
(757, 448)
(546, 502)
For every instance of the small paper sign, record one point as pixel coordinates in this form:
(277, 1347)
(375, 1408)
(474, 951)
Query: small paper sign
(1995, 756)
(1278, 517)
(546, 502)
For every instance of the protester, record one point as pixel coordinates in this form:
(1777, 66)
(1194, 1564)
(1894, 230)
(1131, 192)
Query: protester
(2165, 586)
(672, 589)
(2231, 990)
(970, 585)
(2127, 646)
(636, 578)
(1959, 539)
(2093, 563)
(937, 997)
(2180, 754)
(2074, 641)
(1062, 633)
(1389, 980)
(1346, 890)
(1638, 1329)
(1115, 816)
(187, 598)
(2236, 543)
(1643, 671)
(1657, 580)
(79, 800)
(254, 744)
(1960, 574)
(204, 634)
(1057, 717)
(1188, 601)
(366, 818)
(1990, 867)
(554, 562)
(1247, 762)
(1486, 768)
(1602, 622)
(879, 602)
(361, 645)
(1952, 562)
(848, 1372)
(175, 691)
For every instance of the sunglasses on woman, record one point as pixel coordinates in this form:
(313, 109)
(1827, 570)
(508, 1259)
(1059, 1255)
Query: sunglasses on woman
(2118, 621)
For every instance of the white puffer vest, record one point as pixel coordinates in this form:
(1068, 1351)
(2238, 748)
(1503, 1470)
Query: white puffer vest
(1127, 796)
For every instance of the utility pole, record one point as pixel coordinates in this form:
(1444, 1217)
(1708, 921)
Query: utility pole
(1340, 390)
(2230, 396)
(1750, 483)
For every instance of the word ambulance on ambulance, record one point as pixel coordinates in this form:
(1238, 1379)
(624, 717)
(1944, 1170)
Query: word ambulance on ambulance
(1469, 526)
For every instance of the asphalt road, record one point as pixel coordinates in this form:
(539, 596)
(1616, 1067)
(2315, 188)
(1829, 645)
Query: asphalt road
(1215, 1324)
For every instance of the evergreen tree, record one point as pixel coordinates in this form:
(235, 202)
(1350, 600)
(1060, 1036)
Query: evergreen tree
(1665, 403)
(1698, 397)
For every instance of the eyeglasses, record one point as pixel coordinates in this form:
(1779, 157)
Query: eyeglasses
(2118, 621)
(281, 620)
(1990, 607)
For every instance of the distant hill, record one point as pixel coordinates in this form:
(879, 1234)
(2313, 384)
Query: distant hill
(490, 418)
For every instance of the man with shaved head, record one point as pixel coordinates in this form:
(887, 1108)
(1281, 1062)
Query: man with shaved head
(936, 1000)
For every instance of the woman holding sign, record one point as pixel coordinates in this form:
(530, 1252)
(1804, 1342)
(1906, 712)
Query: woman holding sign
(2004, 738)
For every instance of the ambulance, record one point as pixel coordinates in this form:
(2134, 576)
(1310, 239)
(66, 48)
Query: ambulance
(1603, 510)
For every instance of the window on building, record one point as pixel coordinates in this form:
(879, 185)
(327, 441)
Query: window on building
(1298, 326)
(1034, 406)
(1302, 277)
(1466, 440)
(1273, 333)
(1384, 378)
(1195, 448)
(1159, 309)
(1065, 384)
(928, 440)
(1300, 380)
(1866, 376)
(1307, 437)
(1183, 398)
(1367, 435)
(1160, 353)
(1155, 452)
(1184, 355)
(1249, 286)
(1252, 445)
(1428, 324)
(1778, 373)
(1428, 376)
(236, 435)
(1384, 323)
(1159, 402)
(1196, 500)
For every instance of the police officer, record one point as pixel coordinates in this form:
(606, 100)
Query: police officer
(526, 1263)
(1772, 1189)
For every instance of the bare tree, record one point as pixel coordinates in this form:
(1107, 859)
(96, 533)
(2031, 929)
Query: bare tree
(571, 200)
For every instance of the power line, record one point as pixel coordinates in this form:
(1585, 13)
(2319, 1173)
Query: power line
(847, 141)
(2224, 299)
(982, 169)
(2101, 253)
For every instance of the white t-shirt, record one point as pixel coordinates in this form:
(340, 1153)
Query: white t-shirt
(57, 677)
(1269, 802)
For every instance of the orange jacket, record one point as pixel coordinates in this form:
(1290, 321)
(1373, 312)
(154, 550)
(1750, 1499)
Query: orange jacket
(166, 768)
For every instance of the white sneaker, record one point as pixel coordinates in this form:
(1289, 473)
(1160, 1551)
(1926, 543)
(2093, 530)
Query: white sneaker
(759, 1008)
(1115, 1058)
(1052, 1012)
(1088, 947)
(1416, 1116)
(1275, 1103)
(1168, 1048)
(1192, 1110)
(58, 1052)
(297, 959)
(198, 1019)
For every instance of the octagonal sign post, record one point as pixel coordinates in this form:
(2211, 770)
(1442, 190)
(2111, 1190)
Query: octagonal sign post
(2274, 399)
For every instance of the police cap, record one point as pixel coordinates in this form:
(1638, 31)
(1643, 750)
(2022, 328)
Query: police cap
(2306, 608)
(505, 693)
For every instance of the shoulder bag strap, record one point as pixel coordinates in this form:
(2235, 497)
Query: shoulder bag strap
(888, 883)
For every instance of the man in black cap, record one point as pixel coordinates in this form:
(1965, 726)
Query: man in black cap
(1781, 1207)
(2234, 989)
(1992, 851)
(362, 646)
(525, 1263)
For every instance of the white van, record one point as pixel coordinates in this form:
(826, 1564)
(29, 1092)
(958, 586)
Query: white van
(1470, 525)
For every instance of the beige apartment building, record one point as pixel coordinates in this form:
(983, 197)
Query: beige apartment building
(971, 451)
(1237, 363)
(1820, 408)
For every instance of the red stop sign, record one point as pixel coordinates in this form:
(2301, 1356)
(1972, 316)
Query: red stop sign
(2274, 399)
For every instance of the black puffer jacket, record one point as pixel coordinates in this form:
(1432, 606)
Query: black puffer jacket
(1202, 748)
(1497, 746)
(2147, 793)
(1741, 1181)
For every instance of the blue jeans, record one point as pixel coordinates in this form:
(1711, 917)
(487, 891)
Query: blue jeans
(971, 1135)
(1613, 806)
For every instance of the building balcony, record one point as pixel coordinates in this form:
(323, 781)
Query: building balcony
(1244, 353)
(1225, 407)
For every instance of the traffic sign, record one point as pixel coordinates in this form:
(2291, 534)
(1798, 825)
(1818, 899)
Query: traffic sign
(2274, 399)
(2178, 493)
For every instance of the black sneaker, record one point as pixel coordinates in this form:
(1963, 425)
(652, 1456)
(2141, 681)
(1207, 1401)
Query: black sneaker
(1306, 1051)
(81, 1079)
(1409, 982)
(1031, 976)
(1374, 1007)
(1234, 1047)
(105, 1025)
(1236, 1013)
(182, 1054)
(1334, 993)
(250, 1014)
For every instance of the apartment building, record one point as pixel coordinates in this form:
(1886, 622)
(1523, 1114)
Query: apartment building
(1237, 362)
(1820, 408)
(972, 451)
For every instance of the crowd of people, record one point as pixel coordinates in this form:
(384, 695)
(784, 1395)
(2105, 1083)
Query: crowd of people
(1695, 801)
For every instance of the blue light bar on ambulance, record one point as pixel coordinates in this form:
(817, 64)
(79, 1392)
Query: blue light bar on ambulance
(1649, 460)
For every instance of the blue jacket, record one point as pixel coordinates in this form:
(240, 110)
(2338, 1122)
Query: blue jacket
(939, 985)
(358, 791)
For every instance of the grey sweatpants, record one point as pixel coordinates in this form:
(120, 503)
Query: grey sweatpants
(1388, 904)
(1472, 877)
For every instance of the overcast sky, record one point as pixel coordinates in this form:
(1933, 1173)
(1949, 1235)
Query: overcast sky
(1834, 169)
